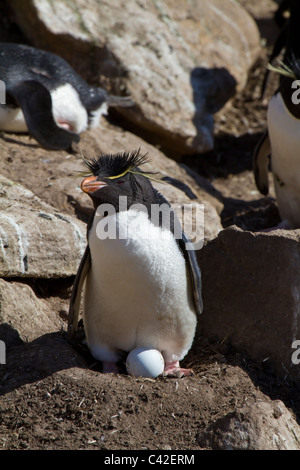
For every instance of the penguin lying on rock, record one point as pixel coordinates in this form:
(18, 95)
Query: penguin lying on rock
(142, 285)
(46, 97)
(280, 143)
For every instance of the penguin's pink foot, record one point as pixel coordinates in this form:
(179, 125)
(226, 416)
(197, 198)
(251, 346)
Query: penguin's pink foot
(64, 125)
(173, 369)
(109, 368)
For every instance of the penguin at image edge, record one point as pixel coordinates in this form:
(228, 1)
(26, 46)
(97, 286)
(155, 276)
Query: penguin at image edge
(141, 290)
(279, 145)
(47, 98)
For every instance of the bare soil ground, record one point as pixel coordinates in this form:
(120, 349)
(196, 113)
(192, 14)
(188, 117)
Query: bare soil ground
(55, 397)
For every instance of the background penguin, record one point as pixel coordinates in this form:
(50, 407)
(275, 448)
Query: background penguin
(143, 290)
(46, 97)
(280, 143)
(287, 18)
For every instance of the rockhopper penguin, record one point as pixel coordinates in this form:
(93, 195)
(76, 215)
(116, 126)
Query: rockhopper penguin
(142, 288)
(287, 18)
(45, 96)
(279, 146)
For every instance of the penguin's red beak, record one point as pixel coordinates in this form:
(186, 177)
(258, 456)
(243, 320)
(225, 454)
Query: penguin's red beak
(91, 184)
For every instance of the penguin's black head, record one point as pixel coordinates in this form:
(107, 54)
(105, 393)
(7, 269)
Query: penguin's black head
(119, 175)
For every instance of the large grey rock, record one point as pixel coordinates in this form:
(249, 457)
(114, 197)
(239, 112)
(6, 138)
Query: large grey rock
(251, 292)
(180, 60)
(263, 425)
(36, 240)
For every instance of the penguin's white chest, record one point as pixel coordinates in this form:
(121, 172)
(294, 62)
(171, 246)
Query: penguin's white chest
(12, 119)
(137, 292)
(67, 109)
(284, 132)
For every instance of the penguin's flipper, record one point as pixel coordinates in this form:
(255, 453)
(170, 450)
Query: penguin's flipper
(35, 101)
(75, 300)
(194, 269)
(261, 160)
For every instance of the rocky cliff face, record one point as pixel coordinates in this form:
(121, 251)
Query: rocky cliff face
(180, 61)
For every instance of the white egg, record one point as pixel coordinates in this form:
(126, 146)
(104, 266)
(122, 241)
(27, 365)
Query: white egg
(143, 362)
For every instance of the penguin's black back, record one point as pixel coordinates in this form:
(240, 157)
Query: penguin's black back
(19, 62)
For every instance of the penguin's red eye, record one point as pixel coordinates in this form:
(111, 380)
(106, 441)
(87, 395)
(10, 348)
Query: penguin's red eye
(120, 182)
